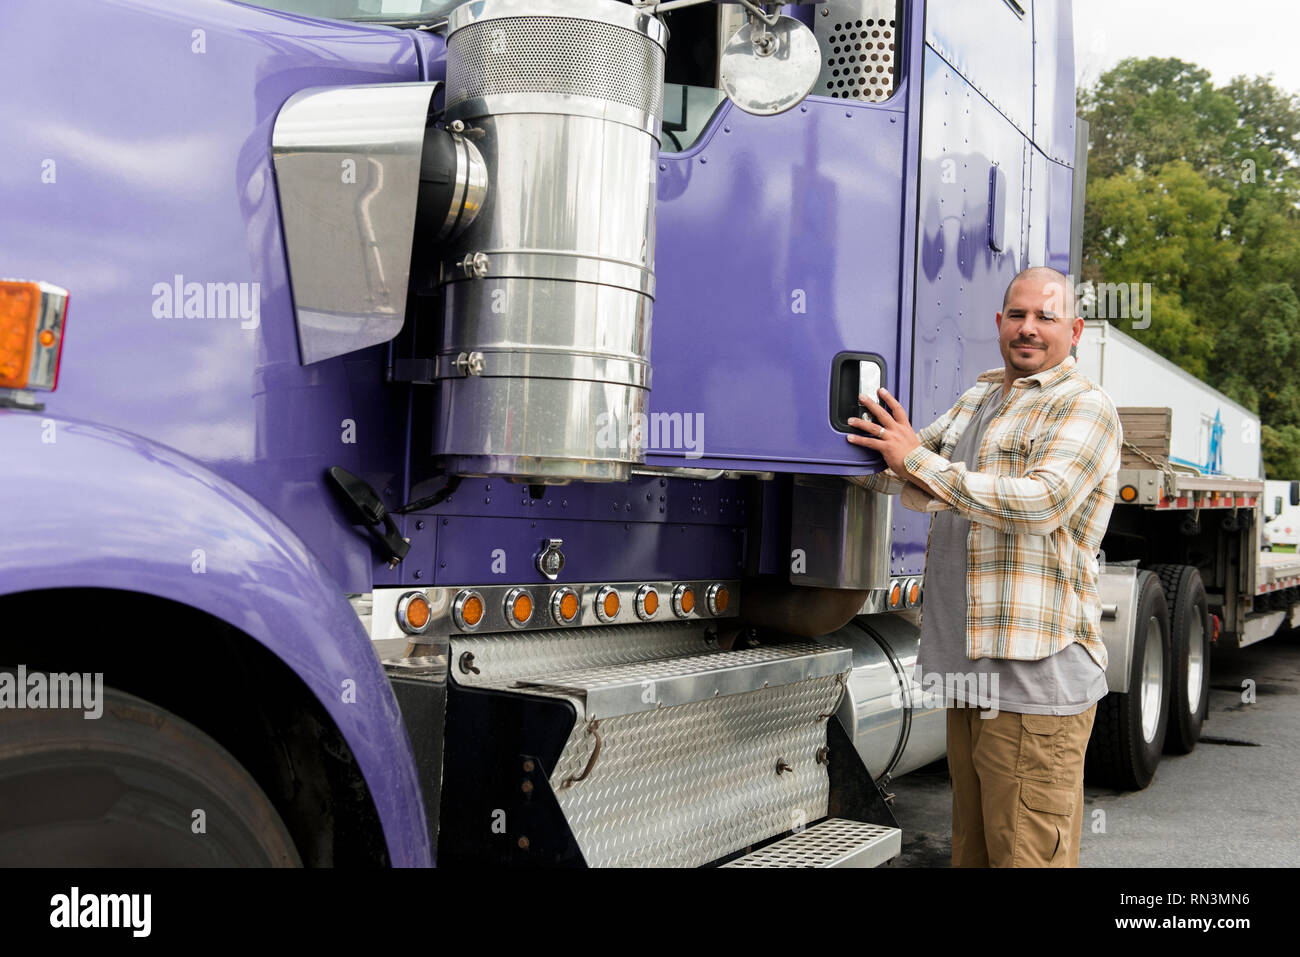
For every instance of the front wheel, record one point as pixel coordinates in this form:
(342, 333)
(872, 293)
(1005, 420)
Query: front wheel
(1128, 733)
(137, 786)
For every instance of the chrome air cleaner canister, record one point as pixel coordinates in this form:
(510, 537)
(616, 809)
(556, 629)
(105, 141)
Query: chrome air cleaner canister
(543, 362)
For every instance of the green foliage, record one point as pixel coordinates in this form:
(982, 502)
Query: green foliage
(1281, 451)
(1149, 112)
(1195, 189)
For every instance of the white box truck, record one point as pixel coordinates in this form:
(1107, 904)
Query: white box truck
(1281, 516)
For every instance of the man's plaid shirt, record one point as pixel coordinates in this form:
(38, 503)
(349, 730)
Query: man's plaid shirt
(1038, 501)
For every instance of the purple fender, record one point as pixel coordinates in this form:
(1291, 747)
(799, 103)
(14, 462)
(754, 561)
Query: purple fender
(87, 505)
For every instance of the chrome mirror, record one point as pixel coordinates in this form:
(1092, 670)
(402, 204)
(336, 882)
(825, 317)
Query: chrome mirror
(770, 64)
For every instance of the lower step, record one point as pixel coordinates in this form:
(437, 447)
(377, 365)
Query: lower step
(832, 843)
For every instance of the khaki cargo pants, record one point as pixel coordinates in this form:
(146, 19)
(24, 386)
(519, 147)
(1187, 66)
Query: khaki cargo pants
(1017, 787)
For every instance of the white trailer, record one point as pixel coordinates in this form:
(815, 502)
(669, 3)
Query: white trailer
(1211, 433)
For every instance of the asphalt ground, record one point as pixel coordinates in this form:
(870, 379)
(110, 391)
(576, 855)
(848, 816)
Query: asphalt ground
(1233, 802)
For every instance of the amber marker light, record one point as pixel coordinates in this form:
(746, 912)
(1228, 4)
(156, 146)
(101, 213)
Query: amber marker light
(896, 595)
(518, 607)
(683, 600)
(1128, 493)
(564, 606)
(647, 602)
(717, 598)
(31, 334)
(523, 608)
(467, 610)
(413, 612)
(913, 592)
(607, 603)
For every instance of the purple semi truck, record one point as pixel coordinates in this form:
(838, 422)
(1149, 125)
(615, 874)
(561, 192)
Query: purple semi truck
(336, 489)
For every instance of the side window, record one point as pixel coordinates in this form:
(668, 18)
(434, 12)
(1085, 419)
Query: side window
(692, 91)
(687, 111)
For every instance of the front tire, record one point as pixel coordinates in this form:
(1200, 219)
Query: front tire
(135, 787)
(1128, 733)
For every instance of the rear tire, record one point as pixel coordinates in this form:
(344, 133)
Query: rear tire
(1189, 685)
(1128, 733)
(137, 786)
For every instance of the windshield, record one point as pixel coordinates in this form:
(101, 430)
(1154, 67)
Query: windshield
(384, 10)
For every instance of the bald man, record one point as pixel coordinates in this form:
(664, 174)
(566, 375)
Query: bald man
(1021, 477)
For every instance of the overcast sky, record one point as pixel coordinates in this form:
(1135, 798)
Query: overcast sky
(1241, 36)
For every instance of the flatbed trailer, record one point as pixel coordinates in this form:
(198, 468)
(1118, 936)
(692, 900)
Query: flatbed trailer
(1268, 579)
(1183, 572)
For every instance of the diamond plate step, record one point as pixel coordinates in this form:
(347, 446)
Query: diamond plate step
(680, 787)
(649, 685)
(832, 843)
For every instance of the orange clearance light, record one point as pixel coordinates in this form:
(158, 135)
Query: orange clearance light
(467, 609)
(418, 612)
(564, 606)
(717, 598)
(519, 606)
(913, 593)
(1128, 493)
(31, 334)
(647, 602)
(683, 600)
(413, 612)
(607, 603)
(896, 595)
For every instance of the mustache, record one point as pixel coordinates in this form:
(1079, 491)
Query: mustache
(1026, 342)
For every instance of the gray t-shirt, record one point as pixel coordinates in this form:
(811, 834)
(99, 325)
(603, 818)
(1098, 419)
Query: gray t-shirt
(1068, 682)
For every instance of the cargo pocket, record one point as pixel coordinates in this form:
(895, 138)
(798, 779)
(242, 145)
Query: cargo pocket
(1043, 837)
(1042, 739)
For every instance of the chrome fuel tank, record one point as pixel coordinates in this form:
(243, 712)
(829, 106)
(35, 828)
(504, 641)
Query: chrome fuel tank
(883, 710)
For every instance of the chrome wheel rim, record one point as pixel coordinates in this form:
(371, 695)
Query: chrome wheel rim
(1152, 680)
(1195, 663)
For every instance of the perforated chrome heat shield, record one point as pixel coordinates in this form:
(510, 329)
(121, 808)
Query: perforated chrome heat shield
(857, 39)
(571, 57)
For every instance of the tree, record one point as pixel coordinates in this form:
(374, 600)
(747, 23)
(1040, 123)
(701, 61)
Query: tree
(1145, 113)
(1196, 190)
(1258, 352)
(1164, 229)
(1281, 451)
(1260, 152)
